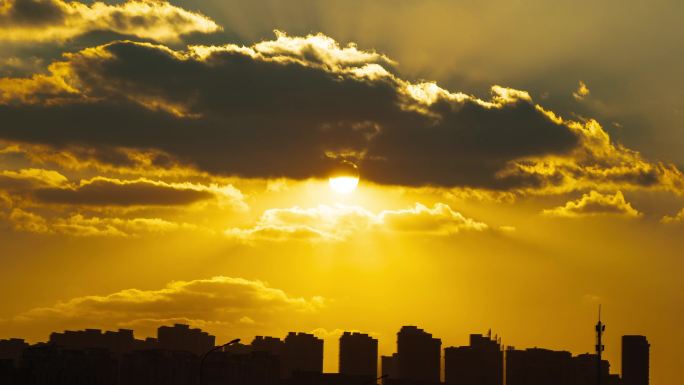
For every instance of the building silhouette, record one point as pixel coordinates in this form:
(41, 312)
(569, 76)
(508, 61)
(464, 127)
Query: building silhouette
(253, 368)
(12, 349)
(389, 365)
(45, 364)
(480, 363)
(181, 337)
(301, 352)
(585, 366)
(418, 356)
(358, 355)
(117, 342)
(537, 366)
(635, 360)
(93, 357)
(159, 366)
(271, 345)
(312, 378)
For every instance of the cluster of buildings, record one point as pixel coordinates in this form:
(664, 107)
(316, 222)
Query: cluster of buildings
(485, 362)
(179, 356)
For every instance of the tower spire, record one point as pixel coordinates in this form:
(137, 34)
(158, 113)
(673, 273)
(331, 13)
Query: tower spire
(600, 328)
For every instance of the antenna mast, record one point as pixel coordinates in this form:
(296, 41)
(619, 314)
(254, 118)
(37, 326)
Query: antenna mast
(600, 328)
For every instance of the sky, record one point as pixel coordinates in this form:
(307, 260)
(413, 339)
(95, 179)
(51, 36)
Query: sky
(519, 164)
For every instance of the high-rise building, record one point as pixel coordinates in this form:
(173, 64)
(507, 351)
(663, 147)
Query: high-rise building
(635, 360)
(271, 345)
(389, 365)
(302, 352)
(480, 363)
(12, 349)
(180, 337)
(251, 368)
(117, 342)
(586, 372)
(418, 355)
(539, 366)
(358, 355)
(542, 366)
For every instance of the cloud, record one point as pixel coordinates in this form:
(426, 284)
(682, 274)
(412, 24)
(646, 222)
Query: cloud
(595, 204)
(677, 218)
(29, 222)
(102, 192)
(581, 92)
(5, 202)
(16, 180)
(215, 301)
(78, 225)
(84, 160)
(57, 20)
(294, 106)
(46, 187)
(46, 202)
(339, 222)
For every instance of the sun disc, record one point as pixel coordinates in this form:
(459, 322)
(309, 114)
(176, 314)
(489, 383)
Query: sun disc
(343, 184)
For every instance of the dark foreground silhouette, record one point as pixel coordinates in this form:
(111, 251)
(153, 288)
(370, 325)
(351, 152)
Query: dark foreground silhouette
(184, 356)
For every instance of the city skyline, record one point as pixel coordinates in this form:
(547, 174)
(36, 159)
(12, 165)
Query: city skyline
(256, 167)
(419, 359)
(306, 352)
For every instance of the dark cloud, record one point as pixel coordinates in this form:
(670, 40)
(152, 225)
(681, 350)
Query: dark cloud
(273, 110)
(32, 12)
(102, 192)
(467, 146)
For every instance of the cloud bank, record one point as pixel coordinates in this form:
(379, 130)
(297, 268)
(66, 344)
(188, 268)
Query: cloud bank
(340, 222)
(219, 300)
(295, 106)
(57, 20)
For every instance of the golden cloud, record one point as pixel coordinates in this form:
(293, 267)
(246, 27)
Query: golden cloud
(29, 222)
(595, 204)
(340, 222)
(677, 218)
(46, 202)
(215, 301)
(122, 162)
(33, 177)
(581, 92)
(43, 187)
(58, 20)
(78, 225)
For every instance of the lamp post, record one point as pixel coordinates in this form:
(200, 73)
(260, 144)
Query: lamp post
(204, 357)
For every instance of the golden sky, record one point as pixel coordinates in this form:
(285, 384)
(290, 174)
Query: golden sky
(169, 162)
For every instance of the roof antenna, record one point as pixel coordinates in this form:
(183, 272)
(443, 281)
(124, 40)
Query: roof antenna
(600, 328)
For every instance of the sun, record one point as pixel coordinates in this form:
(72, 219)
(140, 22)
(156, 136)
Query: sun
(344, 177)
(343, 184)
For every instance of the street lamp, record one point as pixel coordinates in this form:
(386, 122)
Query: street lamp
(204, 357)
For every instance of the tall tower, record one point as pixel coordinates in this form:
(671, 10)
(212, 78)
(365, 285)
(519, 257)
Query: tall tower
(600, 328)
